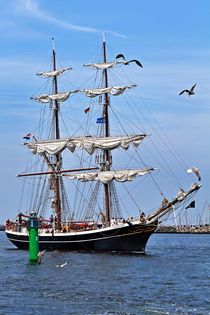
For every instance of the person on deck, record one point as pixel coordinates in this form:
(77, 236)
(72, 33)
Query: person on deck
(112, 222)
(142, 218)
(20, 218)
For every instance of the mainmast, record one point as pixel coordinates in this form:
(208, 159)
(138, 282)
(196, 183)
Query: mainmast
(106, 115)
(57, 136)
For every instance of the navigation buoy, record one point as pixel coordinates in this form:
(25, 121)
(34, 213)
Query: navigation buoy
(33, 226)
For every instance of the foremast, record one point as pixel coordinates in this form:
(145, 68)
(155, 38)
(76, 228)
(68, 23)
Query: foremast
(107, 134)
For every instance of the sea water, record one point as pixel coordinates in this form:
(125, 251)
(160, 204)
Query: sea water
(173, 277)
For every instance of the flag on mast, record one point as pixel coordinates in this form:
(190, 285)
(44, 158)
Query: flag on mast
(101, 120)
(87, 110)
(191, 205)
(27, 137)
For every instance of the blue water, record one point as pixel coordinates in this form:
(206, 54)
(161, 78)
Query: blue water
(172, 278)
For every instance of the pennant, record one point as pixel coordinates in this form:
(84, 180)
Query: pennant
(87, 110)
(27, 137)
(191, 205)
(101, 120)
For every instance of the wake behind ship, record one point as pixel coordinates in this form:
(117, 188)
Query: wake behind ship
(82, 206)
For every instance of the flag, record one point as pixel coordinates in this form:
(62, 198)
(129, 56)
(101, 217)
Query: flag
(191, 205)
(27, 137)
(101, 120)
(87, 110)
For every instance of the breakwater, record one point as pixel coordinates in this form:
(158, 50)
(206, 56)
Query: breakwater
(192, 229)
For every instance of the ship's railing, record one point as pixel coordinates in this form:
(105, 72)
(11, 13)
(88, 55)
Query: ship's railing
(49, 226)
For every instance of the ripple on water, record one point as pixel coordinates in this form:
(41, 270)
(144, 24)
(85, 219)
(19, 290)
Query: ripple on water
(171, 279)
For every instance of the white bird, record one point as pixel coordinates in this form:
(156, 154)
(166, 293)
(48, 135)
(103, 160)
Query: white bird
(62, 265)
(195, 170)
(126, 62)
(40, 254)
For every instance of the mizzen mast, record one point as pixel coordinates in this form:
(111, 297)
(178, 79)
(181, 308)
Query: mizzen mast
(107, 133)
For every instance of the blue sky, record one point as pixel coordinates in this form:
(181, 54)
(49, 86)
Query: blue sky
(171, 38)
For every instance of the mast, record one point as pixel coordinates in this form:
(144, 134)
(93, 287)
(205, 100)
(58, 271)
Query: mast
(106, 115)
(57, 136)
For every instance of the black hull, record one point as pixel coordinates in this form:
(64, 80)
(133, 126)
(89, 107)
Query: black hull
(124, 239)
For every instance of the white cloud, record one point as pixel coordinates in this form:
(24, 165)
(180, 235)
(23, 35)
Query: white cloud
(32, 7)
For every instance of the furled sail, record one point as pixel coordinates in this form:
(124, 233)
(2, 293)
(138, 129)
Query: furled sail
(106, 176)
(51, 178)
(107, 65)
(87, 143)
(102, 65)
(45, 98)
(53, 73)
(61, 97)
(114, 90)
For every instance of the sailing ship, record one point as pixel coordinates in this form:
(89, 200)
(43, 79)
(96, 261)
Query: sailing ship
(102, 225)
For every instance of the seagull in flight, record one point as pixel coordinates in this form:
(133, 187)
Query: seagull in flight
(120, 56)
(126, 62)
(62, 265)
(195, 170)
(189, 92)
(40, 254)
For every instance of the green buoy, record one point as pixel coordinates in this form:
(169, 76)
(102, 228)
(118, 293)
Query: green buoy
(33, 226)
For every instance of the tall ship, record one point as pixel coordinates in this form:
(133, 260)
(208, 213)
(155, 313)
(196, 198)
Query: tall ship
(85, 179)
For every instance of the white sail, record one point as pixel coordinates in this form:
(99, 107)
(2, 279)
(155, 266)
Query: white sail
(107, 65)
(87, 143)
(102, 65)
(114, 90)
(51, 177)
(45, 98)
(61, 97)
(106, 176)
(53, 73)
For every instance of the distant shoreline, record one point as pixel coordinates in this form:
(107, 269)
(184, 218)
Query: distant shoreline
(177, 232)
(193, 229)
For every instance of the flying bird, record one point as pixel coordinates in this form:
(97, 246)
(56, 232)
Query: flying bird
(136, 61)
(189, 92)
(120, 56)
(62, 265)
(40, 254)
(195, 170)
(128, 61)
